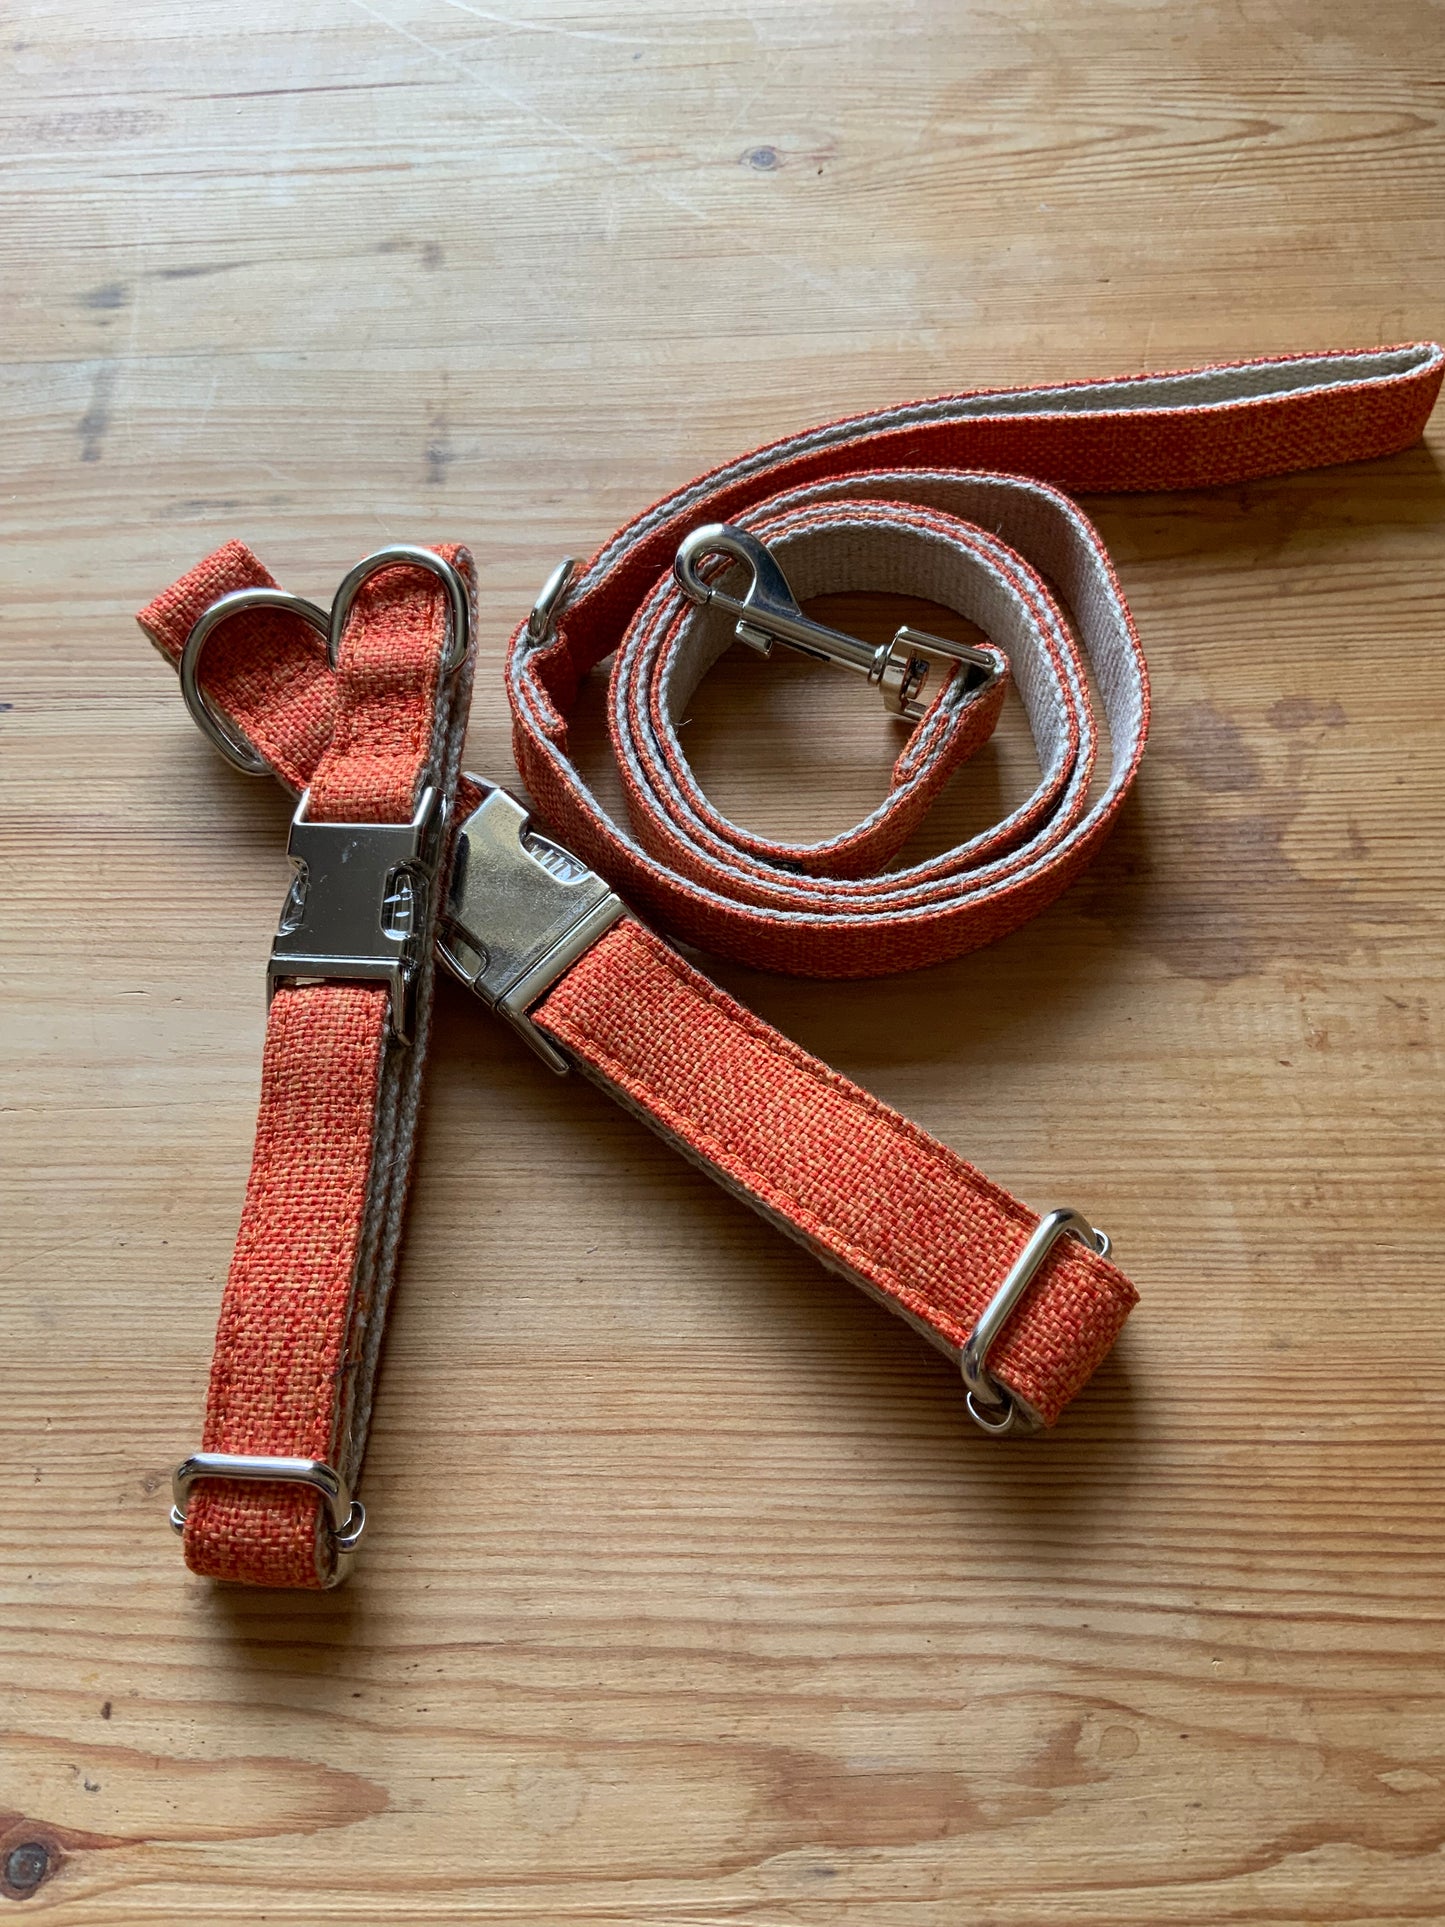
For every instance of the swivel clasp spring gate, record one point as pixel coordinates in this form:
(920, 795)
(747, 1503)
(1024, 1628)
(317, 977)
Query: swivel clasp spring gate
(768, 612)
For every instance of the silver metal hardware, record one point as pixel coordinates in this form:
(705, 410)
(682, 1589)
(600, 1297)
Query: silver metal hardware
(357, 907)
(329, 626)
(347, 1516)
(542, 620)
(768, 613)
(522, 911)
(233, 746)
(406, 555)
(990, 1404)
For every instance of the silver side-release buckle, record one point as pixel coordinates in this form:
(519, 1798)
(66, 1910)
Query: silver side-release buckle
(357, 907)
(522, 910)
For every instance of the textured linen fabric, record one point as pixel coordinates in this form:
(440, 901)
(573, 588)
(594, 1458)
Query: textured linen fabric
(957, 500)
(870, 1194)
(304, 1307)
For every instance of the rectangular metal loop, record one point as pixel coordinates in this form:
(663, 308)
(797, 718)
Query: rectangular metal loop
(346, 1515)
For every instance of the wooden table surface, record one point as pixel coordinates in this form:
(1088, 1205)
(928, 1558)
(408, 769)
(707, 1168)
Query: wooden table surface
(692, 1597)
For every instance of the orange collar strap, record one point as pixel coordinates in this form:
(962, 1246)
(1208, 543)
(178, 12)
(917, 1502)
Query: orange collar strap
(909, 500)
(375, 746)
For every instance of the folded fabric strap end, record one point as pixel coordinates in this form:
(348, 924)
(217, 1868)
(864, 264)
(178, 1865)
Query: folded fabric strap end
(1066, 1325)
(952, 732)
(247, 1536)
(169, 618)
(269, 697)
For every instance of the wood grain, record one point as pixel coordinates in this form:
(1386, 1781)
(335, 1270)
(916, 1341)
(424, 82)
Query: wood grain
(693, 1598)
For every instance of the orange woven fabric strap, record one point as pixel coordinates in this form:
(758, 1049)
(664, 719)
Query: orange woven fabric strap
(875, 1198)
(958, 500)
(305, 1303)
(883, 502)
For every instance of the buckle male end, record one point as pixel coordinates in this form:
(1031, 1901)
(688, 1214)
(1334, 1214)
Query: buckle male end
(522, 910)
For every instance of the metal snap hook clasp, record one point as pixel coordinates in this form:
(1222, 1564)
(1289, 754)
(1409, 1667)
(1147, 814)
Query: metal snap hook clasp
(768, 612)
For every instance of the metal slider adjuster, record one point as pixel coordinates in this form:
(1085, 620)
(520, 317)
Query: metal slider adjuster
(991, 1404)
(522, 910)
(347, 1516)
(769, 613)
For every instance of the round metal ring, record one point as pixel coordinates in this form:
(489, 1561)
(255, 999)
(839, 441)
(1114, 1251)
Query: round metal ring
(239, 753)
(543, 618)
(348, 1537)
(410, 555)
(996, 1420)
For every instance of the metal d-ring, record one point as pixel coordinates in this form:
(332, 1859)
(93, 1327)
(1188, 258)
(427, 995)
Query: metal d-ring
(411, 555)
(543, 619)
(990, 1404)
(238, 752)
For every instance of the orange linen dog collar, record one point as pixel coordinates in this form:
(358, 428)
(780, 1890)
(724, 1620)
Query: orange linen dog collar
(1029, 1306)
(269, 1497)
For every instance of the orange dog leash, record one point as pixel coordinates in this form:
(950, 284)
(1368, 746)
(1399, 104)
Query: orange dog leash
(365, 727)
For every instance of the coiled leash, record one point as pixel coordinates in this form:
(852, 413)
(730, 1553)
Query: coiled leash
(360, 711)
